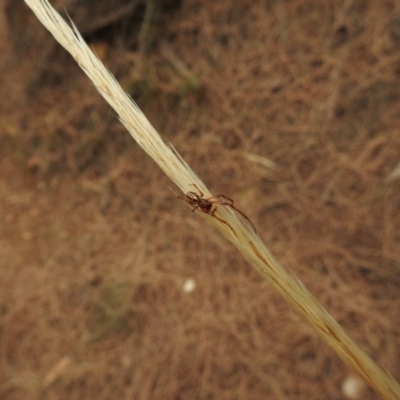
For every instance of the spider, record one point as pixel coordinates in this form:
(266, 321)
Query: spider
(208, 206)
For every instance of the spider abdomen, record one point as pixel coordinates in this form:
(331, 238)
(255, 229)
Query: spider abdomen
(204, 204)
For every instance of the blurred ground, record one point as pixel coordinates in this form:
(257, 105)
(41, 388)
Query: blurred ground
(290, 108)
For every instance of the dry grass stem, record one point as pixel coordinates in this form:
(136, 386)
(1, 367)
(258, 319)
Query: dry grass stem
(245, 239)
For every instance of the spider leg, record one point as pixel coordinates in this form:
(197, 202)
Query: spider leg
(224, 222)
(226, 201)
(184, 199)
(212, 213)
(221, 199)
(198, 189)
(243, 215)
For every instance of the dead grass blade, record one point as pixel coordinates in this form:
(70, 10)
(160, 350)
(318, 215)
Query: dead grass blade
(245, 239)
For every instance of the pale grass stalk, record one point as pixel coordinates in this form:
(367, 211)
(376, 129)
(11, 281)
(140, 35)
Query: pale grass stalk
(247, 241)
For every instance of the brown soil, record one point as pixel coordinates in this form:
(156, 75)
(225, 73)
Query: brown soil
(95, 250)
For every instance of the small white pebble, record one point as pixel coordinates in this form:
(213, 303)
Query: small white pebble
(353, 387)
(189, 285)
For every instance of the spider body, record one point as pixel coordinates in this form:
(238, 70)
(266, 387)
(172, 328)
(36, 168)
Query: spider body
(209, 205)
(197, 201)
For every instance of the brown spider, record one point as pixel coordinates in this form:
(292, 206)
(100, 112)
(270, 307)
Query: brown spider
(208, 206)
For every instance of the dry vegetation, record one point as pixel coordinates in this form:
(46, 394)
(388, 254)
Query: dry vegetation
(95, 249)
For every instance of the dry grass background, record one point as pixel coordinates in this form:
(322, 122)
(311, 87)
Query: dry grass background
(95, 250)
